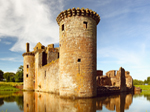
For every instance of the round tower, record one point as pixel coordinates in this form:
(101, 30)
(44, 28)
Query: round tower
(29, 69)
(78, 52)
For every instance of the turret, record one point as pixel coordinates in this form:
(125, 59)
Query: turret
(29, 69)
(78, 43)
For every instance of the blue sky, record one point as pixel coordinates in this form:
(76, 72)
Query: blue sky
(123, 34)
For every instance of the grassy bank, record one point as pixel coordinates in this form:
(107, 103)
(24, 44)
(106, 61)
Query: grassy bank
(143, 87)
(9, 86)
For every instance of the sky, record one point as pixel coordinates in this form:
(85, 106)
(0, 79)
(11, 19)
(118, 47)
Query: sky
(123, 34)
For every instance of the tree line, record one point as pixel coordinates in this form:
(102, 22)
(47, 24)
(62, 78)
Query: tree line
(140, 82)
(12, 77)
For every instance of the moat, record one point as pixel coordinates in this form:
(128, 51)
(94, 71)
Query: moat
(45, 102)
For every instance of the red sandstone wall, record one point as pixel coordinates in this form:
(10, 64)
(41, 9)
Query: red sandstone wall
(77, 44)
(48, 77)
(29, 72)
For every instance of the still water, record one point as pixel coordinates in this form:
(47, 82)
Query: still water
(45, 102)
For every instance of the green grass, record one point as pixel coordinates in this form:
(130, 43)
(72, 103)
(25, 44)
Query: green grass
(11, 83)
(9, 86)
(143, 87)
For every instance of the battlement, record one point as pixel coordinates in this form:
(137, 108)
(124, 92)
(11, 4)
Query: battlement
(28, 53)
(78, 12)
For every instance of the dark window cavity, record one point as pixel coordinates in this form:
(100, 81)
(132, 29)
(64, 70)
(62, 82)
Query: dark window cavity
(84, 24)
(26, 75)
(27, 66)
(45, 74)
(79, 60)
(63, 27)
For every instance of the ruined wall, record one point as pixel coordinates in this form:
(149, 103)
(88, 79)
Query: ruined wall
(77, 54)
(111, 73)
(122, 79)
(48, 77)
(129, 80)
(99, 73)
(52, 54)
(29, 71)
(121, 75)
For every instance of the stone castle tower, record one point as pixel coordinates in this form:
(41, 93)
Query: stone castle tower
(78, 47)
(29, 69)
(69, 70)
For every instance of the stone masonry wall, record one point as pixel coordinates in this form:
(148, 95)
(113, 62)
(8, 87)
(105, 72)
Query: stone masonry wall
(48, 77)
(77, 57)
(29, 72)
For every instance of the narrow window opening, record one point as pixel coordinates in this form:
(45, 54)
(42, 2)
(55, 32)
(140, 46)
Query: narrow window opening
(58, 55)
(79, 60)
(27, 105)
(27, 66)
(85, 24)
(26, 75)
(45, 74)
(63, 27)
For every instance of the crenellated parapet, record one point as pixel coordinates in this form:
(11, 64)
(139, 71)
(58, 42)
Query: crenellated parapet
(78, 12)
(28, 53)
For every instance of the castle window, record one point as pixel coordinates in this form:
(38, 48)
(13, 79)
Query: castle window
(84, 24)
(26, 75)
(45, 74)
(58, 55)
(63, 27)
(79, 60)
(27, 66)
(27, 105)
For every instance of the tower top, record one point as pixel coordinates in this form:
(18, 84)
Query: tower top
(78, 12)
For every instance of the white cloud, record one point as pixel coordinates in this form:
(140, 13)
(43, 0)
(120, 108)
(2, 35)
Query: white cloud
(11, 59)
(120, 55)
(7, 43)
(30, 21)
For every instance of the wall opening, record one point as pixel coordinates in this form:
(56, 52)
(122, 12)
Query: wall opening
(85, 24)
(27, 66)
(27, 75)
(44, 58)
(79, 60)
(27, 105)
(63, 28)
(58, 55)
(45, 74)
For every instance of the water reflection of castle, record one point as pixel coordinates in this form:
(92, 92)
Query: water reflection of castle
(45, 102)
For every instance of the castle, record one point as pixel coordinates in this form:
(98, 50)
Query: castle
(70, 70)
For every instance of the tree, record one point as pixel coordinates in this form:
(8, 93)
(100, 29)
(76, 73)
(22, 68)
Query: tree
(19, 74)
(9, 76)
(138, 82)
(1, 75)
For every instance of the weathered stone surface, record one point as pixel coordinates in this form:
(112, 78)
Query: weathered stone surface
(70, 70)
(120, 78)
